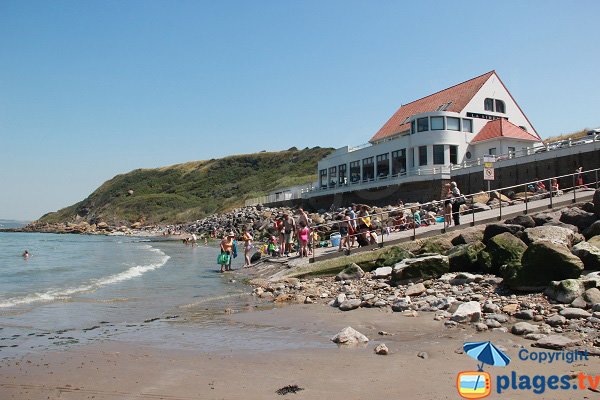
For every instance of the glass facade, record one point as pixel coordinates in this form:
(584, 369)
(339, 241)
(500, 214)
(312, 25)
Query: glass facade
(368, 169)
(399, 162)
(332, 176)
(438, 154)
(342, 177)
(354, 171)
(383, 165)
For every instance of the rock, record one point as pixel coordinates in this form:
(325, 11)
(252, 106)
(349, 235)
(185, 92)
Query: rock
(576, 216)
(524, 220)
(556, 320)
(351, 272)
(351, 304)
(492, 323)
(510, 308)
(579, 303)
(437, 245)
(467, 236)
(559, 224)
(504, 249)
(479, 207)
(556, 342)
(415, 290)
(526, 315)
(574, 313)
(552, 234)
(535, 336)
(465, 258)
(481, 327)
(542, 263)
(402, 304)
(490, 308)
(349, 335)
(592, 230)
(382, 272)
(592, 296)
(409, 313)
(367, 297)
(498, 317)
(595, 241)
(463, 278)
(565, 291)
(339, 299)
(426, 267)
(422, 354)
(467, 312)
(481, 197)
(545, 217)
(596, 202)
(492, 230)
(589, 254)
(523, 328)
(392, 256)
(102, 226)
(382, 350)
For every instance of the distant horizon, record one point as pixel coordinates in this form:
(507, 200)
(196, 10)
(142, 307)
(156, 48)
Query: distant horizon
(91, 90)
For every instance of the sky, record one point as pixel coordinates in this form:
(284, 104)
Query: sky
(92, 89)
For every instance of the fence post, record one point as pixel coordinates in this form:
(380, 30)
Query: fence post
(414, 228)
(312, 241)
(550, 186)
(473, 210)
(596, 179)
(526, 202)
(500, 198)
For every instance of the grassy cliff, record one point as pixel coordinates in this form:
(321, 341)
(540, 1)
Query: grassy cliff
(189, 191)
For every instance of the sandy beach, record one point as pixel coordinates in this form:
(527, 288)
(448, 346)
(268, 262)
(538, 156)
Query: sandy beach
(125, 370)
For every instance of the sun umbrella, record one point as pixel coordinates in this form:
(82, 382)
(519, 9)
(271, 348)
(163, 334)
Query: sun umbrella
(486, 353)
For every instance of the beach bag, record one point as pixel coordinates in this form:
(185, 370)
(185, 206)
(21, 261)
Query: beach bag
(460, 200)
(223, 259)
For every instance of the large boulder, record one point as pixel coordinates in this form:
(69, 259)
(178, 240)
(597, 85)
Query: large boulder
(465, 258)
(524, 220)
(543, 262)
(544, 218)
(565, 291)
(592, 230)
(352, 271)
(589, 254)
(576, 216)
(481, 197)
(467, 312)
(424, 267)
(495, 229)
(439, 245)
(392, 256)
(552, 234)
(467, 236)
(597, 203)
(503, 249)
(595, 241)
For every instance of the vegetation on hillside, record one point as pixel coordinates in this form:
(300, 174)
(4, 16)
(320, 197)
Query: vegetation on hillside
(573, 135)
(189, 191)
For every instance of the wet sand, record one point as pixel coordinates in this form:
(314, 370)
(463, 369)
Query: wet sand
(120, 369)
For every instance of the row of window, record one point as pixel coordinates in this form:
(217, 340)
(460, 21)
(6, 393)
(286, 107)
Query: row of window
(380, 165)
(494, 105)
(440, 124)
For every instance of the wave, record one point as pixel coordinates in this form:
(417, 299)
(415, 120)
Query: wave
(64, 294)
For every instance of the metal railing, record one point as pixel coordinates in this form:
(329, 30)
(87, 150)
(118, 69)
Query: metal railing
(539, 190)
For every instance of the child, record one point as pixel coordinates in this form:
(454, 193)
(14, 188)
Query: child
(303, 234)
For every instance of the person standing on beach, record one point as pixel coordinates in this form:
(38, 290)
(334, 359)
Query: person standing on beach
(352, 215)
(289, 228)
(579, 179)
(456, 197)
(448, 207)
(226, 246)
(247, 237)
(303, 235)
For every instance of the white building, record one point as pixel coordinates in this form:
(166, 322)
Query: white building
(428, 136)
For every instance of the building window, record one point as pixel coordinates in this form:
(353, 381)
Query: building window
(492, 151)
(500, 107)
(467, 125)
(412, 127)
(368, 169)
(399, 162)
(342, 178)
(422, 124)
(332, 176)
(354, 171)
(438, 154)
(383, 165)
(488, 104)
(422, 155)
(412, 157)
(453, 123)
(323, 178)
(437, 123)
(511, 152)
(454, 155)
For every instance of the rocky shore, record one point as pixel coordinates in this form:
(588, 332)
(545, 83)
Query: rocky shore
(533, 276)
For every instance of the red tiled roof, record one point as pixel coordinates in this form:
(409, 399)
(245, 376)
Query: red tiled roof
(459, 95)
(503, 128)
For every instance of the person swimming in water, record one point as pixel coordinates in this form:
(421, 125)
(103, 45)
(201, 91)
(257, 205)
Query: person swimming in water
(26, 254)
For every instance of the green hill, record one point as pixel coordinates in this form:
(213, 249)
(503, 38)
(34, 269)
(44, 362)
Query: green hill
(189, 191)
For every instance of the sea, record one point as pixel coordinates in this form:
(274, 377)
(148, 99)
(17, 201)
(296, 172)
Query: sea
(80, 289)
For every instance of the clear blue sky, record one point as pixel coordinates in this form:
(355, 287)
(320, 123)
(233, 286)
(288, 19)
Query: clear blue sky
(91, 89)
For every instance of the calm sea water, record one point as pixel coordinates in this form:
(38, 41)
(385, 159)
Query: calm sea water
(75, 289)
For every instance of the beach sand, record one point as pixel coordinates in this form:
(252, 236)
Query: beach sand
(126, 370)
